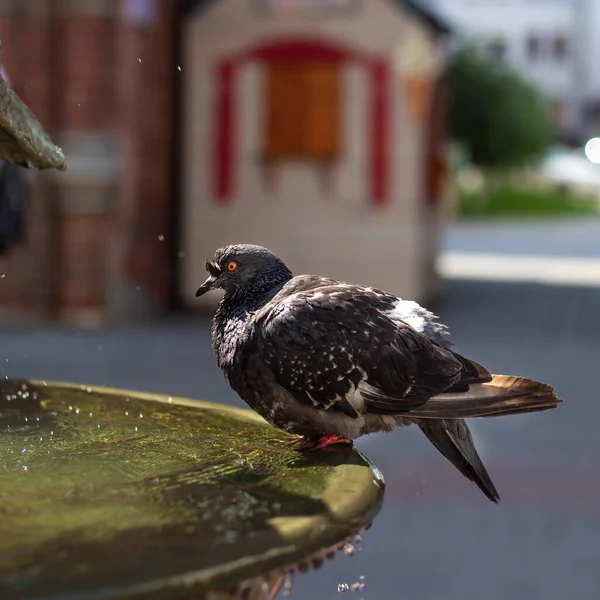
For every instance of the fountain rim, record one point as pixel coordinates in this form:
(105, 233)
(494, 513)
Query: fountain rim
(349, 514)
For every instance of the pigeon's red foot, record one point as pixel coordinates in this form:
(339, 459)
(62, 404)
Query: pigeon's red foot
(333, 440)
(306, 443)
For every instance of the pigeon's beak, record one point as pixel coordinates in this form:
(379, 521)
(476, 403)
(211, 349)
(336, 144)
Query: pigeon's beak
(206, 286)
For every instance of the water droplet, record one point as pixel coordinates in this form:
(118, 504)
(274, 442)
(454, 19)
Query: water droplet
(90, 414)
(161, 238)
(76, 411)
(287, 585)
(356, 586)
(126, 413)
(3, 276)
(139, 60)
(178, 68)
(141, 416)
(24, 450)
(358, 539)
(88, 390)
(24, 467)
(136, 428)
(70, 408)
(44, 382)
(342, 588)
(348, 550)
(170, 400)
(361, 578)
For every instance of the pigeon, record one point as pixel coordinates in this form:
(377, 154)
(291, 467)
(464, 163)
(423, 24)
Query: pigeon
(329, 361)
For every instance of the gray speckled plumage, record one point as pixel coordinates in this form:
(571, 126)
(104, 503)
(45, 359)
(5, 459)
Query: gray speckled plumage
(318, 357)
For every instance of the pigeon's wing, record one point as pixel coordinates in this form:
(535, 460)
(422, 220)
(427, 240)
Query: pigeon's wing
(325, 344)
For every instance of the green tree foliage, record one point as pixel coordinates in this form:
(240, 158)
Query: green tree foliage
(499, 116)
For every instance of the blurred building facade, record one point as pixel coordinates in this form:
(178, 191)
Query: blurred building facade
(100, 77)
(325, 142)
(144, 97)
(555, 42)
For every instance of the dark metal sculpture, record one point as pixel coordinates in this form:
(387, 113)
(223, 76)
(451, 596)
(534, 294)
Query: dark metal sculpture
(23, 140)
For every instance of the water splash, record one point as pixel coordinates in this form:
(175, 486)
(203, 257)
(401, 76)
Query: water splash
(288, 584)
(358, 586)
(342, 588)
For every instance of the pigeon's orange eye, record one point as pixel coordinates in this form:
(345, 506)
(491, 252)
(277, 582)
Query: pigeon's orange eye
(231, 266)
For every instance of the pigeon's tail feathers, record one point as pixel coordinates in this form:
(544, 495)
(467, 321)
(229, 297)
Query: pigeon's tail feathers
(504, 395)
(453, 439)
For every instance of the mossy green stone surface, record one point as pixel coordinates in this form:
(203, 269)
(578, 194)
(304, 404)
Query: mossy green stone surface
(112, 494)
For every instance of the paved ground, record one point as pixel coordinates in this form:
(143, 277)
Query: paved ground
(575, 237)
(437, 536)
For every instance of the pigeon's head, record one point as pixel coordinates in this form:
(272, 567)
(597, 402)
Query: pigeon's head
(244, 267)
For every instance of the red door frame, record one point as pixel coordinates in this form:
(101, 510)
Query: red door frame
(301, 48)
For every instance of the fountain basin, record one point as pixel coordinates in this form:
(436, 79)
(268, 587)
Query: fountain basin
(112, 494)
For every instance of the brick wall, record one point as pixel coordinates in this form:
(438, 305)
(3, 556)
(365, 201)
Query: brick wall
(101, 83)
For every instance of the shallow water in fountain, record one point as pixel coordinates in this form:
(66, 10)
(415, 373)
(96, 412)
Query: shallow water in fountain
(108, 494)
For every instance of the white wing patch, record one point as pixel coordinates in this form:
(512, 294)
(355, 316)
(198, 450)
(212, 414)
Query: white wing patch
(412, 313)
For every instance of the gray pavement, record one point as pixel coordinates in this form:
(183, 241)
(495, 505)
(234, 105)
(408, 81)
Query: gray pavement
(437, 536)
(574, 237)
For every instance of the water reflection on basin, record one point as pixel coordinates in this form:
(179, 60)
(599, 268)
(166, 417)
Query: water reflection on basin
(111, 494)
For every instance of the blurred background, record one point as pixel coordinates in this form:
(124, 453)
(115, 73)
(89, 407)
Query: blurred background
(444, 150)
